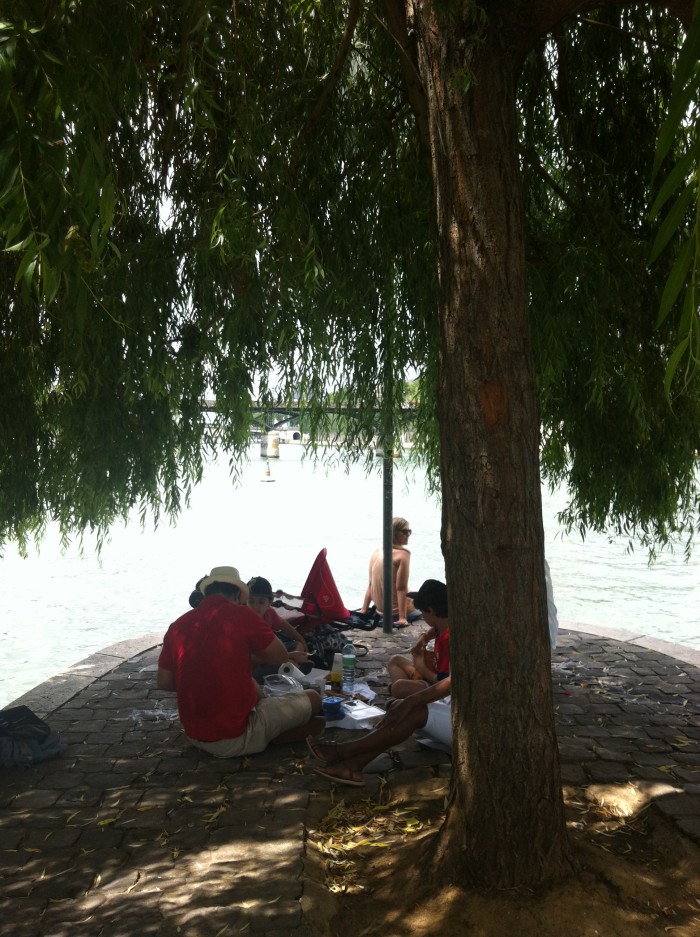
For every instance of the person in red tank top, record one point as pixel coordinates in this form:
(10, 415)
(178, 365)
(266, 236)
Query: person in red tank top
(410, 676)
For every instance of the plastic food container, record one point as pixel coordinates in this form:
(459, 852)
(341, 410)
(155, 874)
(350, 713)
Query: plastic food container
(278, 684)
(333, 708)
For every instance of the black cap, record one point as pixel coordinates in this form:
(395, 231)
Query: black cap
(260, 586)
(432, 594)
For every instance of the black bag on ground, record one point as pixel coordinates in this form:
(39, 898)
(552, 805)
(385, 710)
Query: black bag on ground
(325, 641)
(21, 723)
(25, 738)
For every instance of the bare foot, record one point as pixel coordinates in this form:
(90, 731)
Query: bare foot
(340, 773)
(326, 751)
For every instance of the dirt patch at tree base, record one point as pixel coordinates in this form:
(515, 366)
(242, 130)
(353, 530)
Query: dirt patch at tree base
(636, 875)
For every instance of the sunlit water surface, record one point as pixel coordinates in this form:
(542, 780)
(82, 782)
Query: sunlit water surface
(56, 608)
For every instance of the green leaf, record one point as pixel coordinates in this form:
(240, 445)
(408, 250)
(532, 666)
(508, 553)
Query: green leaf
(672, 366)
(672, 221)
(690, 311)
(676, 280)
(50, 280)
(684, 92)
(679, 176)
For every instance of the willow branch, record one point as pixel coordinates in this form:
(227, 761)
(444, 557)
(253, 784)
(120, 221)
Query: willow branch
(395, 12)
(336, 71)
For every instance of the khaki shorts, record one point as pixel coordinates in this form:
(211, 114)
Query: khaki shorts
(270, 718)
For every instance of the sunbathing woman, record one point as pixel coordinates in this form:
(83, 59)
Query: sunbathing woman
(402, 606)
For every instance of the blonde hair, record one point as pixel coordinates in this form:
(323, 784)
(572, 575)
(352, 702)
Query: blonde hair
(397, 524)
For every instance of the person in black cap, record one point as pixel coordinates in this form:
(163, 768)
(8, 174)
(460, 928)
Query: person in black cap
(424, 668)
(426, 706)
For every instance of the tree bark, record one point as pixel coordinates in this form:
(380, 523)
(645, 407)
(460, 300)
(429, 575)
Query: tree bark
(505, 822)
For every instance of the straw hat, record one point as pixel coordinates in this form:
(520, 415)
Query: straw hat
(227, 574)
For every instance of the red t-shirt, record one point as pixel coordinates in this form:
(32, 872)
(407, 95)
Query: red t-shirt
(442, 654)
(273, 618)
(208, 651)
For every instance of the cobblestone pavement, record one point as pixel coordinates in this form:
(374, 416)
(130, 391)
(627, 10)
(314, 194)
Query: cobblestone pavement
(132, 832)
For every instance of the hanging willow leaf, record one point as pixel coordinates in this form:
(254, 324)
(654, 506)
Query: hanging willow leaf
(676, 358)
(685, 91)
(683, 183)
(676, 280)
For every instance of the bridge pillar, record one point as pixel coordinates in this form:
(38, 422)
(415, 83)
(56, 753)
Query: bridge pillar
(270, 446)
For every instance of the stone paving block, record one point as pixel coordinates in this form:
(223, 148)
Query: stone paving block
(290, 799)
(33, 800)
(111, 781)
(121, 922)
(226, 849)
(93, 764)
(245, 887)
(607, 771)
(50, 838)
(407, 784)
(629, 731)
(79, 797)
(99, 838)
(662, 731)
(652, 758)
(690, 826)
(10, 837)
(60, 885)
(588, 730)
(573, 774)
(427, 757)
(145, 821)
(608, 752)
(20, 917)
(205, 922)
(687, 774)
(679, 805)
(289, 824)
(649, 773)
(636, 708)
(666, 720)
(577, 749)
(111, 737)
(73, 738)
(687, 758)
(605, 709)
(568, 709)
(60, 781)
(236, 817)
(284, 920)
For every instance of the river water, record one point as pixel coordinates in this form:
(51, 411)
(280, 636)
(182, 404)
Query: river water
(56, 608)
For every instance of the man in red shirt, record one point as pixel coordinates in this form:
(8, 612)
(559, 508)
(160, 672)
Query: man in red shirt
(207, 660)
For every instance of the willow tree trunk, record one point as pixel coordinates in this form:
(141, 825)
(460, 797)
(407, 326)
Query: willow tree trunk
(505, 823)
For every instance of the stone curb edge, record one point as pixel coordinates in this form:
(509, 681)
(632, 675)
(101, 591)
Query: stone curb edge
(57, 690)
